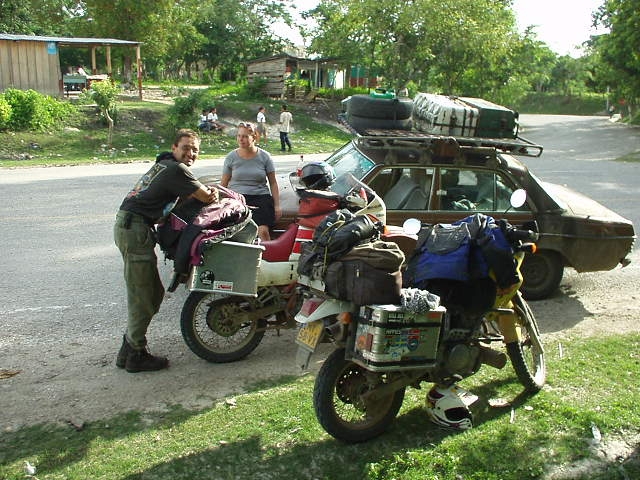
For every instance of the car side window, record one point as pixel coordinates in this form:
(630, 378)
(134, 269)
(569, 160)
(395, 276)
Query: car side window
(474, 190)
(458, 189)
(404, 188)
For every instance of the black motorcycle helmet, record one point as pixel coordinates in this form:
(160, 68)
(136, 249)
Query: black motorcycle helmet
(317, 175)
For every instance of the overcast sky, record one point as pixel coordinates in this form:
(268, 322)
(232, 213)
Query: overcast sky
(562, 24)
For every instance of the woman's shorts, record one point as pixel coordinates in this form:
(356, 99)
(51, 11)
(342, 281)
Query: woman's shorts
(262, 128)
(264, 213)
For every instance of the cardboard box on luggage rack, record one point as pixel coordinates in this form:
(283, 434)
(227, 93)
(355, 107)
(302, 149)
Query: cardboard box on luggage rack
(390, 338)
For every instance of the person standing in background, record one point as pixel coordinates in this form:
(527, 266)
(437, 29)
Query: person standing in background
(246, 170)
(285, 125)
(261, 129)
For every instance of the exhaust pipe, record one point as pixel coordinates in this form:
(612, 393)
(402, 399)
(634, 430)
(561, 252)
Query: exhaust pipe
(493, 358)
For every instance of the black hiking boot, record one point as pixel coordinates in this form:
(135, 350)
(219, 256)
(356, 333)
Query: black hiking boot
(121, 359)
(143, 361)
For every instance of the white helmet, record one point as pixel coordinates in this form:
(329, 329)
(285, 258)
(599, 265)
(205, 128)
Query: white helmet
(449, 407)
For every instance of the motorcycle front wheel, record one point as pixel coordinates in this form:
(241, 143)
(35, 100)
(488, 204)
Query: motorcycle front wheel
(340, 406)
(210, 329)
(527, 355)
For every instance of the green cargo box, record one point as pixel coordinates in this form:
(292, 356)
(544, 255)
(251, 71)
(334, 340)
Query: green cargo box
(494, 121)
(228, 267)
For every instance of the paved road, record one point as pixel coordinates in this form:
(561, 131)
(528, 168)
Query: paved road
(56, 222)
(580, 152)
(63, 308)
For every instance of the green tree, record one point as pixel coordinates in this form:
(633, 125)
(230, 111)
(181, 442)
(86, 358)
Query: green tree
(37, 17)
(133, 20)
(105, 94)
(235, 32)
(620, 49)
(431, 43)
(15, 17)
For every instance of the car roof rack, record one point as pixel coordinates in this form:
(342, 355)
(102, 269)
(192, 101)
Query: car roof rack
(394, 138)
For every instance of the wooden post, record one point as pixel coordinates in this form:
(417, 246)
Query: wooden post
(139, 64)
(109, 60)
(94, 70)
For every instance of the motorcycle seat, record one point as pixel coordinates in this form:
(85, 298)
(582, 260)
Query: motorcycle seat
(278, 250)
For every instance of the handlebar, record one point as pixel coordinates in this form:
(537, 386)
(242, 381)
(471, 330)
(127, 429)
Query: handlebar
(518, 235)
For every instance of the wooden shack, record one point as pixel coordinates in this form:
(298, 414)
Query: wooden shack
(277, 69)
(32, 62)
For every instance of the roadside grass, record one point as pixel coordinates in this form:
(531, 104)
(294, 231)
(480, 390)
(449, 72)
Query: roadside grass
(142, 130)
(556, 104)
(630, 157)
(271, 432)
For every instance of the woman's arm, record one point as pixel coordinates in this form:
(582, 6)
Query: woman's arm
(275, 193)
(225, 179)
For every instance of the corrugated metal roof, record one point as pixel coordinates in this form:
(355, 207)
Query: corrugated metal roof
(68, 40)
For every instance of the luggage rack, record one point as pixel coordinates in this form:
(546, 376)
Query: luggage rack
(392, 138)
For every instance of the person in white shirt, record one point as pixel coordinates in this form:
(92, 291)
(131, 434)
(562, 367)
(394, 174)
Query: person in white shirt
(285, 125)
(261, 121)
(203, 124)
(212, 118)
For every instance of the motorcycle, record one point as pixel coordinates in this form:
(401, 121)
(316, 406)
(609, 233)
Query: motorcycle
(382, 349)
(239, 290)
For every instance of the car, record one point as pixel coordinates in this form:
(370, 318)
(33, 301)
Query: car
(441, 179)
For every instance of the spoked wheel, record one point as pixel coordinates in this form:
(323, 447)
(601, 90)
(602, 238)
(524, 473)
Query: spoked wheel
(527, 356)
(211, 329)
(340, 406)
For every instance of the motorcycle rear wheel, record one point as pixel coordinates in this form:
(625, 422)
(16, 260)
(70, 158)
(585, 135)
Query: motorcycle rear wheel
(338, 402)
(211, 332)
(527, 356)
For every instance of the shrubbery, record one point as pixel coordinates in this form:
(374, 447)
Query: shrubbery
(30, 110)
(185, 110)
(105, 95)
(5, 113)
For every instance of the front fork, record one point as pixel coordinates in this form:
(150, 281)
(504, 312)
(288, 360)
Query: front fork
(503, 312)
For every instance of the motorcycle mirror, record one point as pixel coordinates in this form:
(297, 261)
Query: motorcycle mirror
(518, 197)
(411, 226)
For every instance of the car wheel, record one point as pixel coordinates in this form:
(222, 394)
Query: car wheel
(542, 273)
(381, 108)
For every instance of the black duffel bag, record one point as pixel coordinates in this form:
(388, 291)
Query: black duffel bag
(358, 282)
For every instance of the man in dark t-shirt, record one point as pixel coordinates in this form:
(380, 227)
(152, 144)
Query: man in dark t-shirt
(151, 198)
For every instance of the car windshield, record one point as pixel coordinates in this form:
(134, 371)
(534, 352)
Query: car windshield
(348, 160)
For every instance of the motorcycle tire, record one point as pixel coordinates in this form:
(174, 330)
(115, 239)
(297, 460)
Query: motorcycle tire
(338, 402)
(527, 355)
(209, 328)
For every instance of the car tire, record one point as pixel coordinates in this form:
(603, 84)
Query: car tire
(361, 124)
(381, 108)
(542, 273)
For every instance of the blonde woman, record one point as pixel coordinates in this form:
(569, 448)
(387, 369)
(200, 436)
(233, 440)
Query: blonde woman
(249, 170)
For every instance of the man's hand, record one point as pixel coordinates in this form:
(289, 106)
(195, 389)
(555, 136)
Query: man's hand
(207, 194)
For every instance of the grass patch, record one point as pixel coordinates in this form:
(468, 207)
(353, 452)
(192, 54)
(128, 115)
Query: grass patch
(272, 432)
(630, 157)
(556, 104)
(143, 129)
